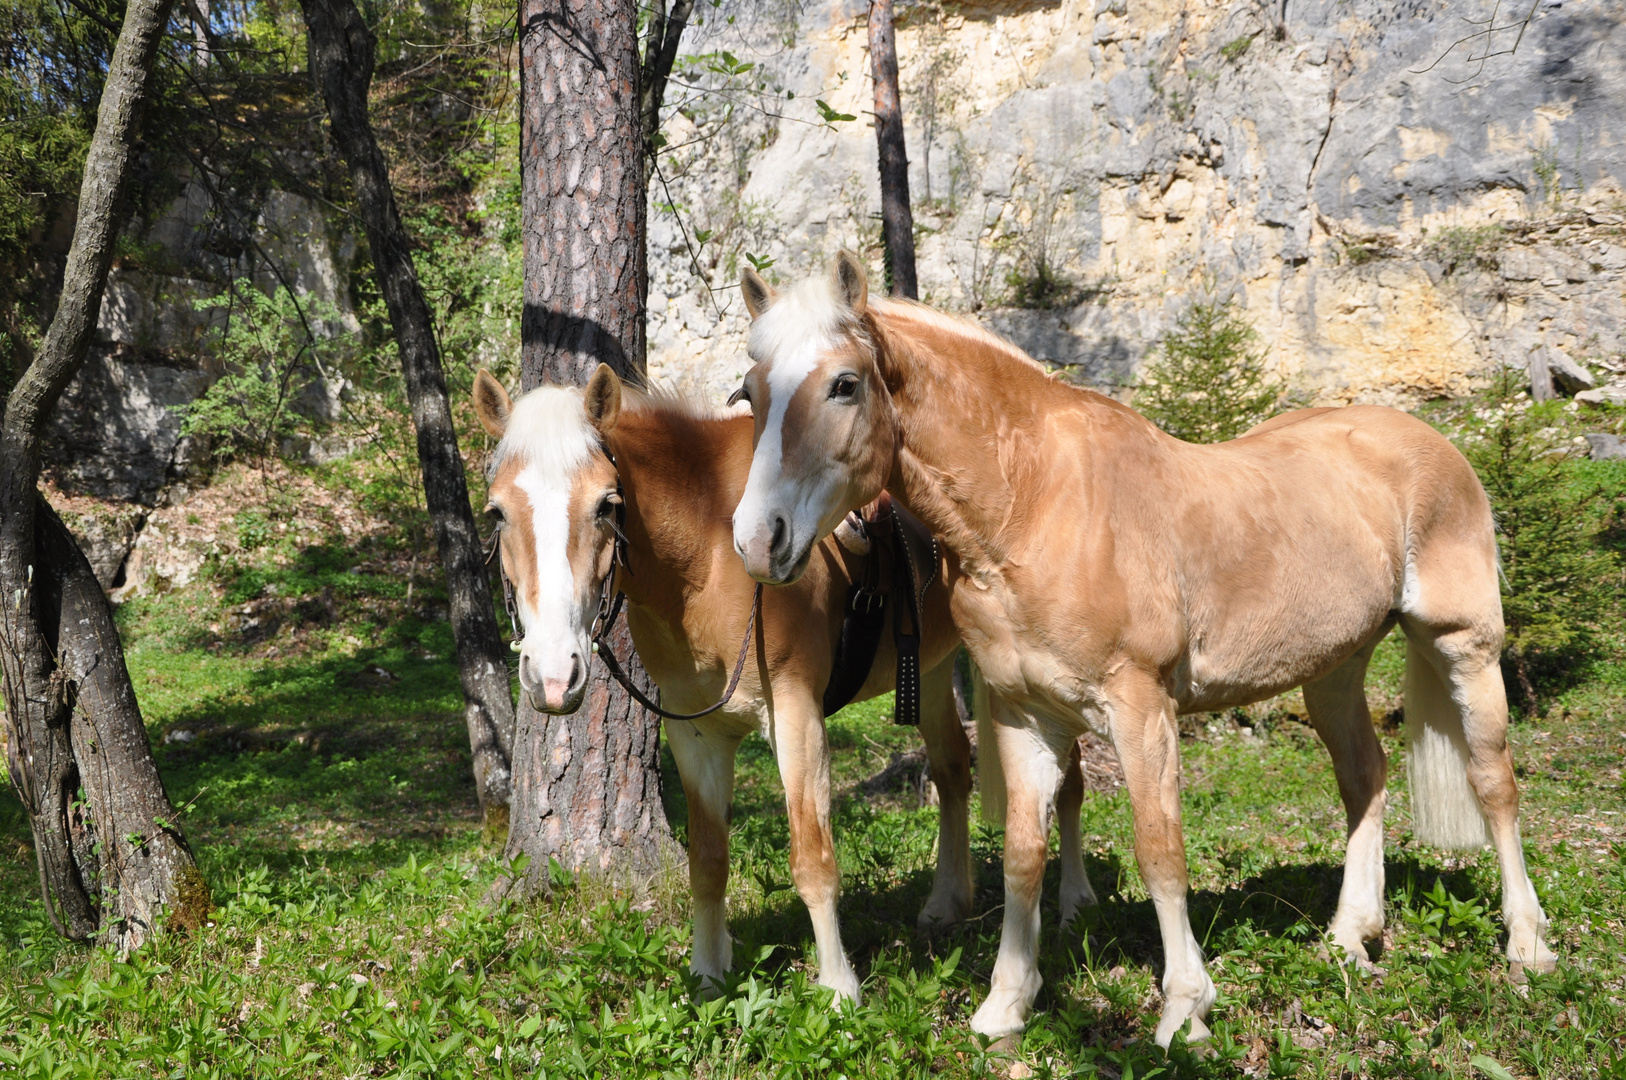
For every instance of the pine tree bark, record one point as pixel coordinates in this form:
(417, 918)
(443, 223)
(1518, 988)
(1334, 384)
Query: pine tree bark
(897, 219)
(341, 57)
(72, 711)
(586, 786)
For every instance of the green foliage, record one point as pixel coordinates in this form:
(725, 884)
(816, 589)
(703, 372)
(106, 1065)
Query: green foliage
(1558, 581)
(271, 346)
(1465, 247)
(1235, 49)
(1035, 283)
(1209, 382)
(333, 817)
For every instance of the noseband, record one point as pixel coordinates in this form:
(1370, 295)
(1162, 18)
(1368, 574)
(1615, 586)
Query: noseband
(609, 609)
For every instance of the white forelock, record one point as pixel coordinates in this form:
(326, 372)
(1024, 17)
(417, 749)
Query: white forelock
(548, 427)
(807, 314)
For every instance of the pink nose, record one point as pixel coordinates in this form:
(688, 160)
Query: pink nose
(554, 693)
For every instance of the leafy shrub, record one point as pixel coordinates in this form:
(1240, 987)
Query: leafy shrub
(1209, 382)
(1558, 581)
(270, 346)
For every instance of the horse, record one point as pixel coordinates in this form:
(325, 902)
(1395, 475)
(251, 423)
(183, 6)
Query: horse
(1114, 577)
(572, 470)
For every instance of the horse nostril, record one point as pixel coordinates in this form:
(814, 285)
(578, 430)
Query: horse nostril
(576, 672)
(781, 534)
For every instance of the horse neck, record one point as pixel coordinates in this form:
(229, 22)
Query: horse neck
(676, 472)
(971, 413)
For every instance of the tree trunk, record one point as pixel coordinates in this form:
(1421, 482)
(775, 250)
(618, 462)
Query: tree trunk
(897, 220)
(143, 867)
(587, 786)
(341, 56)
(46, 616)
(660, 52)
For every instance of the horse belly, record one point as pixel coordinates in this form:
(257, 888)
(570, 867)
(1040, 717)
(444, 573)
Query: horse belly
(1256, 655)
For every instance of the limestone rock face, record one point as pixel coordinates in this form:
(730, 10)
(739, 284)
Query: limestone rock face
(1393, 214)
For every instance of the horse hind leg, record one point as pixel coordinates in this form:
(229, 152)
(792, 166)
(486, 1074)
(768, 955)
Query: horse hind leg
(1076, 892)
(949, 753)
(1338, 711)
(1456, 729)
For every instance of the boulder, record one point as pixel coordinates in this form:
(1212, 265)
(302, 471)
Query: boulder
(1606, 447)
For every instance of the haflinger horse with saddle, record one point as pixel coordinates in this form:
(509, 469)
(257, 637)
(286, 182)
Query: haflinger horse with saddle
(1112, 577)
(610, 493)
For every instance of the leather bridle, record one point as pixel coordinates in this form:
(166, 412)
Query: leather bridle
(609, 609)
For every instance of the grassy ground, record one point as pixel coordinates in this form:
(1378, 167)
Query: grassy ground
(303, 709)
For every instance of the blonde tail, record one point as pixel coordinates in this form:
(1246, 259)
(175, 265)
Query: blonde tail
(1445, 811)
(990, 772)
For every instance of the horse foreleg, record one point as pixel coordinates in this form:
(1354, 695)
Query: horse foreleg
(1338, 711)
(803, 753)
(1032, 769)
(1144, 731)
(1076, 891)
(949, 752)
(706, 766)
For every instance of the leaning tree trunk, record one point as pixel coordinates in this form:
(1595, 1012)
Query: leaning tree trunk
(586, 786)
(341, 55)
(897, 220)
(72, 711)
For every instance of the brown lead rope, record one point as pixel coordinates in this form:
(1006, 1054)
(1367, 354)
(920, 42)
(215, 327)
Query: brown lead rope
(602, 648)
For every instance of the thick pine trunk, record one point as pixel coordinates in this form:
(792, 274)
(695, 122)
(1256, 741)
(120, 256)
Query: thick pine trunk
(897, 220)
(341, 55)
(74, 721)
(586, 786)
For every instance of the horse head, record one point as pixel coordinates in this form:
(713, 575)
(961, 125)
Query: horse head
(825, 430)
(553, 494)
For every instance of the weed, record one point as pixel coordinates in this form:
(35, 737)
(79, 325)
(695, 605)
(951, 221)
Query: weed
(1235, 49)
(1462, 247)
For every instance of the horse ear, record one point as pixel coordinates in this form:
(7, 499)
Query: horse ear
(603, 399)
(758, 293)
(852, 280)
(491, 404)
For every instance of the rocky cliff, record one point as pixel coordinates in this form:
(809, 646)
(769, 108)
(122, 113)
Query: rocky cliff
(1396, 195)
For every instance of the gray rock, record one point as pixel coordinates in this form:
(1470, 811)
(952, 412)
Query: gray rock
(1570, 376)
(116, 434)
(1606, 447)
(1603, 395)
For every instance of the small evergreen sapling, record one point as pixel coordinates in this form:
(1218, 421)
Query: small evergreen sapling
(1209, 382)
(1555, 574)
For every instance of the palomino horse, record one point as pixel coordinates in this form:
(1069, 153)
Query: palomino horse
(566, 459)
(1114, 577)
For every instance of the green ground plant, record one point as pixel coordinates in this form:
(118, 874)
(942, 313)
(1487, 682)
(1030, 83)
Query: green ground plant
(326, 776)
(1208, 382)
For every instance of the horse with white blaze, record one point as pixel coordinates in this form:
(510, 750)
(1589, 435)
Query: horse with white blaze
(1113, 577)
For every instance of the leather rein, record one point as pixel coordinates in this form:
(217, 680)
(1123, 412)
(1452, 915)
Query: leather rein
(609, 609)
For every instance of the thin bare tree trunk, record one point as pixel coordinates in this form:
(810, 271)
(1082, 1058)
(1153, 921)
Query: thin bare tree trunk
(341, 56)
(897, 220)
(68, 697)
(660, 53)
(586, 786)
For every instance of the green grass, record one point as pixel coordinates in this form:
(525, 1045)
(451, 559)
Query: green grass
(333, 813)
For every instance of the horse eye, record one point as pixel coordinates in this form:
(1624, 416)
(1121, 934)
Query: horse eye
(495, 514)
(742, 394)
(845, 386)
(607, 505)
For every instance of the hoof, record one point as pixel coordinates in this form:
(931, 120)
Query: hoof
(1001, 1017)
